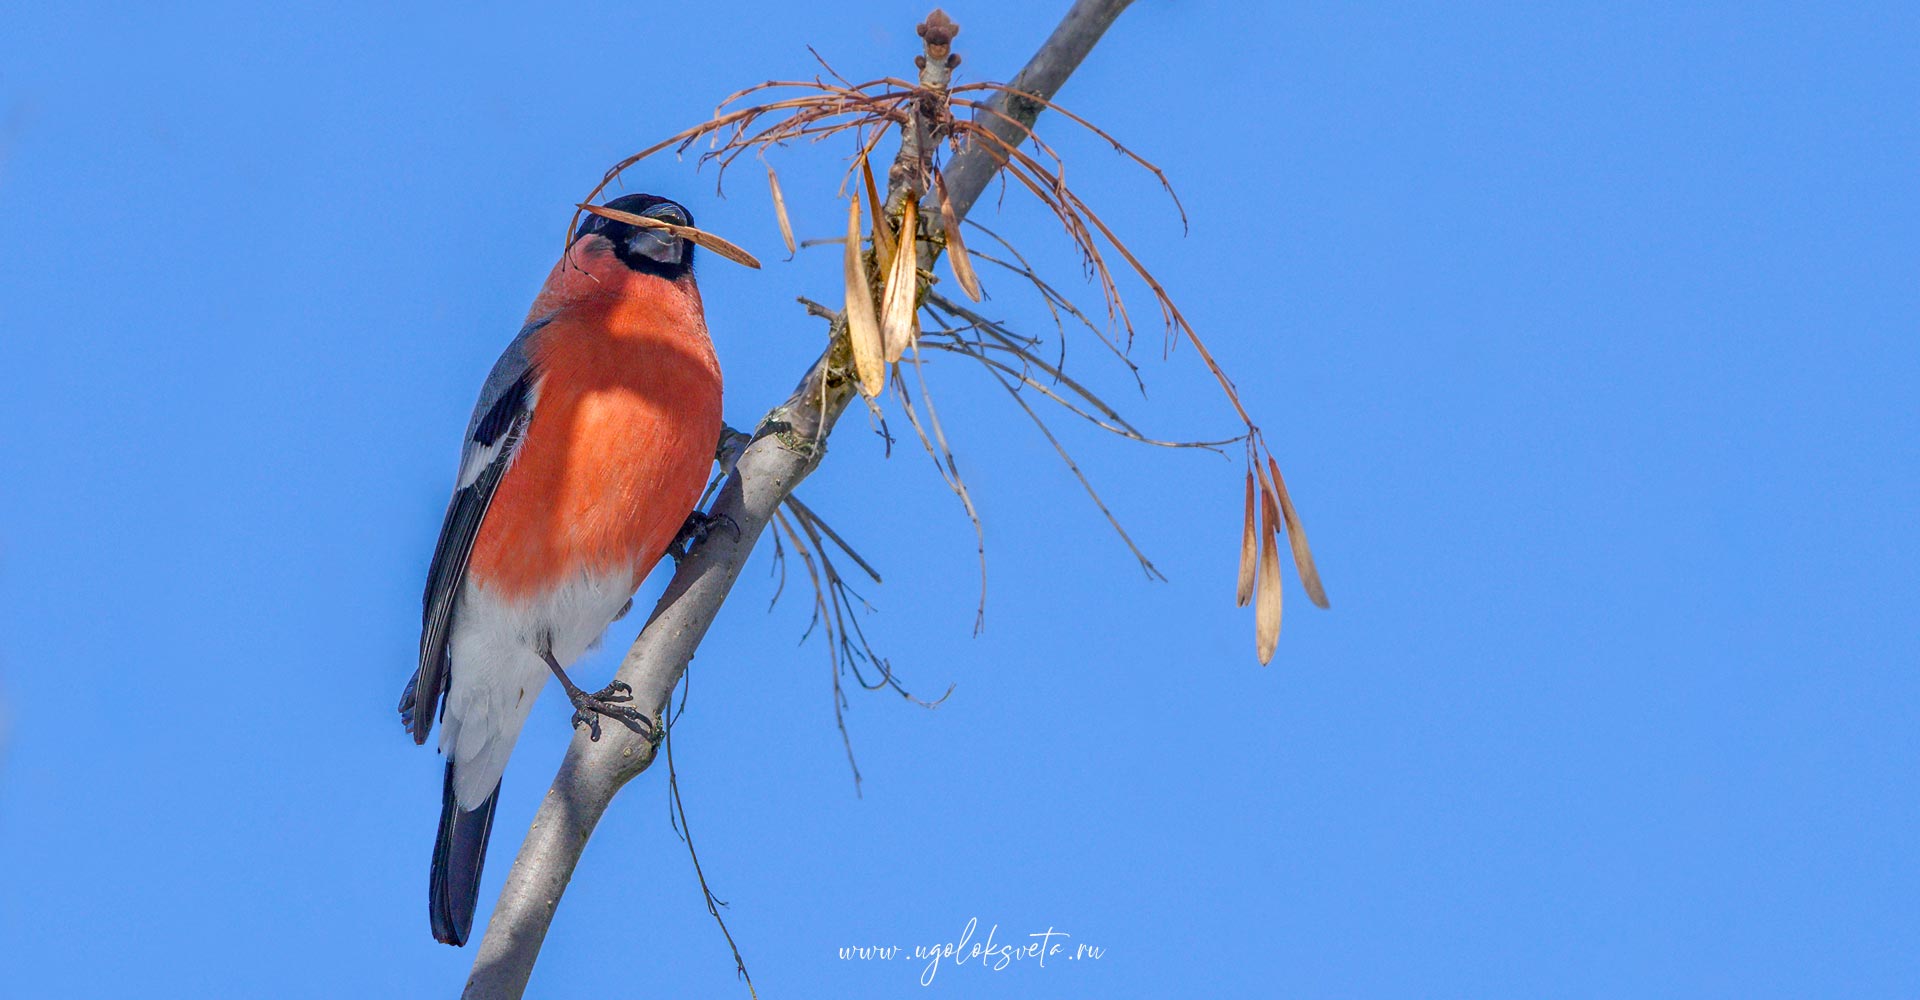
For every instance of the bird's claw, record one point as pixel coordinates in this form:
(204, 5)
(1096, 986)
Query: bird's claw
(698, 526)
(588, 708)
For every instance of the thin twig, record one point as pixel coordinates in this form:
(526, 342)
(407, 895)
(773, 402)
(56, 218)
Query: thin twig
(1145, 563)
(686, 834)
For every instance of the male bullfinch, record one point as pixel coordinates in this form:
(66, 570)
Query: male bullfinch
(587, 451)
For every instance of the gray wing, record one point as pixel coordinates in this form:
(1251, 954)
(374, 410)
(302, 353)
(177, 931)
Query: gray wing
(494, 433)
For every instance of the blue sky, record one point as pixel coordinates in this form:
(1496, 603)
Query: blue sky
(1585, 335)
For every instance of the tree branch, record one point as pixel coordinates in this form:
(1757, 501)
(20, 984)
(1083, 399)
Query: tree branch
(1070, 42)
(787, 446)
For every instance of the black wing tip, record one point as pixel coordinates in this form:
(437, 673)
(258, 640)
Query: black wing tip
(415, 722)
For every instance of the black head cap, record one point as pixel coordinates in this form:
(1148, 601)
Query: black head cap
(649, 251)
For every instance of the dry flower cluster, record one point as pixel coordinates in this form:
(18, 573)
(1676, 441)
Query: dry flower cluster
(891, 312)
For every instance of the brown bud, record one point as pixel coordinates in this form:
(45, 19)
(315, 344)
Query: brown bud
(938, 29)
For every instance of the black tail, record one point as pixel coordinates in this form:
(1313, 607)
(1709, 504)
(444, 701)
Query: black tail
(458, 853)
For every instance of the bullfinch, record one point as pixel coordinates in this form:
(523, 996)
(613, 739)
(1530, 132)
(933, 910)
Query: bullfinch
(586, 453)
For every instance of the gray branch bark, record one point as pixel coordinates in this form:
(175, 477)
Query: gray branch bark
(1043, 75)
(788, 445)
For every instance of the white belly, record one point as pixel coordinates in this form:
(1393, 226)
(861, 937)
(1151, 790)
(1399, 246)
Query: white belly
(496, 673)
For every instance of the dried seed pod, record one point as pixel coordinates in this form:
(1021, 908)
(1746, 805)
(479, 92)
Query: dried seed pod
(1248, 551)
(780, 209)
(698, 236)
(882, 233)
(1266, 616)
(863, 331)
(957, 257)
(1297, 539)
(899, 303)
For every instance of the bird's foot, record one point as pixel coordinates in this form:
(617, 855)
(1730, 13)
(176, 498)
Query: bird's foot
(609, 701)
(618, 691)
(696, 529)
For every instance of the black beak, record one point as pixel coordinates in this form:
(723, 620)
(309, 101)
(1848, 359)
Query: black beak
(659, 245)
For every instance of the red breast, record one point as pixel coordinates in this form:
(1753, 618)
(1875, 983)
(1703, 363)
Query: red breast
(623, 430)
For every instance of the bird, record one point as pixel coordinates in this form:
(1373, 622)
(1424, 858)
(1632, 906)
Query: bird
(583, 461)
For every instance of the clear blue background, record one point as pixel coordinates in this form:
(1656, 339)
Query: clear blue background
(1586, 337)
